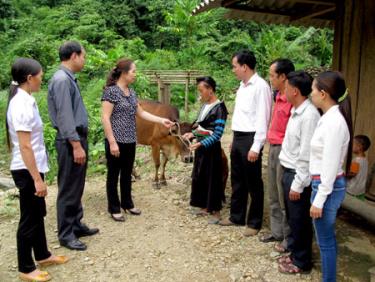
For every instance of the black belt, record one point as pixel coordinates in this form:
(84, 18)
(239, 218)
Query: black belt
(241, 133)
(275, 145)
(289, 169)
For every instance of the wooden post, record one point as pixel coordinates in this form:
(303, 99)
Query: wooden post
(186, 97)
(160, 90)
(167, 94)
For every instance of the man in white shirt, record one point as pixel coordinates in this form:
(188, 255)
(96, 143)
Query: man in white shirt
(249, 124)
(294, 158)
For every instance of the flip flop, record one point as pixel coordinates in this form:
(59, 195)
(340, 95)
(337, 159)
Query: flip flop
(280, 249)
(290, 268)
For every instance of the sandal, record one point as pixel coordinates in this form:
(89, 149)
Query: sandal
(213, 220)
(41, 277)
(201, 212)
(53, 260)
(285, 259)
(267, 238)
(134, 211)
(280, 249)
(116, 217)
(290, 268)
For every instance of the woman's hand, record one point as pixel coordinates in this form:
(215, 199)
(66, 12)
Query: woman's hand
(41, 188)
(188, 136)
(115, 151)
(316, 212)
(167, 123)
(195, 146)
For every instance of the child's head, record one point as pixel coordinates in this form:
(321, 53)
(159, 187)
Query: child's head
(361, 144)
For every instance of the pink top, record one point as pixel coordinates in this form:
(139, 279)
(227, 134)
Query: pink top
(280, 117)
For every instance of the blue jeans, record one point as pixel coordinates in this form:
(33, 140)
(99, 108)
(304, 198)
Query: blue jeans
(325, 227)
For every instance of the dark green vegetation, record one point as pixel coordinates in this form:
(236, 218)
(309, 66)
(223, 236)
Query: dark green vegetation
(157, 34)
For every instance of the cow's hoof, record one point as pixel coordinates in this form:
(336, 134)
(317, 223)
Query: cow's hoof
(156, 185)
(163, 182)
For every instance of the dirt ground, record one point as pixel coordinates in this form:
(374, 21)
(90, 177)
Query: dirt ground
(168, 243)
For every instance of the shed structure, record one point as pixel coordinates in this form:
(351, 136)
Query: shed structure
(353, 22)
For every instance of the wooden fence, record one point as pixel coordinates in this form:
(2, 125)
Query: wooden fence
(164, 79)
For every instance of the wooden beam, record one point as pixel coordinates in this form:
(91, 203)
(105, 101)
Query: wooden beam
(226, 4)
(315, 2)
(275, 19)
(312, 15)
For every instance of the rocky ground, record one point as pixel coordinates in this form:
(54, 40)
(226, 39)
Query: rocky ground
(168, 243)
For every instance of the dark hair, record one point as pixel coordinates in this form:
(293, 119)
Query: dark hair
(283, 66)
(245, 57)
(208, 81)
(301, 80)
(122, 66)
(364, 141)
(68, 48)
(333, 83)
(21, 69)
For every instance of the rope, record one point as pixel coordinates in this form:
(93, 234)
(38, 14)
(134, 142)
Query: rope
(186, 142)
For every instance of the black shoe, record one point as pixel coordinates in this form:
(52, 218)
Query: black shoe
(74, 245)
(86, 231)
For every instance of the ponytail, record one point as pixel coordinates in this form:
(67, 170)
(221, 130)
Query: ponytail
(13, 88)
(113, 76)
(346, 110)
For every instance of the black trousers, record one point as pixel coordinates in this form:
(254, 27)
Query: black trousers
(121, 166)
(299, 220)
(71, 181)
(31, 235)
(246, 178)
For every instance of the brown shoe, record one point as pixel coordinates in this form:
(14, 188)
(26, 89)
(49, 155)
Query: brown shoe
(53, 260)
(226, 222)
(41, 276)
(250, 232)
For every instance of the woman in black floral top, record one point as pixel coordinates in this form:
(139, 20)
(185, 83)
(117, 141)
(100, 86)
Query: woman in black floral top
(119, 108)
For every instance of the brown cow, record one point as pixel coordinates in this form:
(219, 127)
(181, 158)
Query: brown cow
(167, 141)
(162, 139)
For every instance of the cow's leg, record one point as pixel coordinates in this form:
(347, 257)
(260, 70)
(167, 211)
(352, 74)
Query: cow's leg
(164, 161)
(156, 158)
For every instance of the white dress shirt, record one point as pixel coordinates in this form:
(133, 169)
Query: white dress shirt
(23, 115)
(295, 150)
(252, 110)
(329, 146)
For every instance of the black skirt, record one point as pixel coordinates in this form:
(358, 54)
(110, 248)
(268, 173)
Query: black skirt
(207, 191)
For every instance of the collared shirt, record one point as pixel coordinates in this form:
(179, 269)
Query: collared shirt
(123, 114)
(252, 110)
(329, 147)
(65, 105)
(279, 120)
(295, 150)
(23, 115)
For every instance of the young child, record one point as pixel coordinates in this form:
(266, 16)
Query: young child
(358, 170)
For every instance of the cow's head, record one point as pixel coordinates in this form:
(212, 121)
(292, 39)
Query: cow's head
(182, 146)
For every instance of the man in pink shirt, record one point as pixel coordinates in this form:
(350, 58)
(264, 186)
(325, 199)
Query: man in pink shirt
(278, 71)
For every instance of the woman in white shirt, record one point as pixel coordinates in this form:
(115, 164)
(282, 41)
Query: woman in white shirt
(28, 165)
(330, 144)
